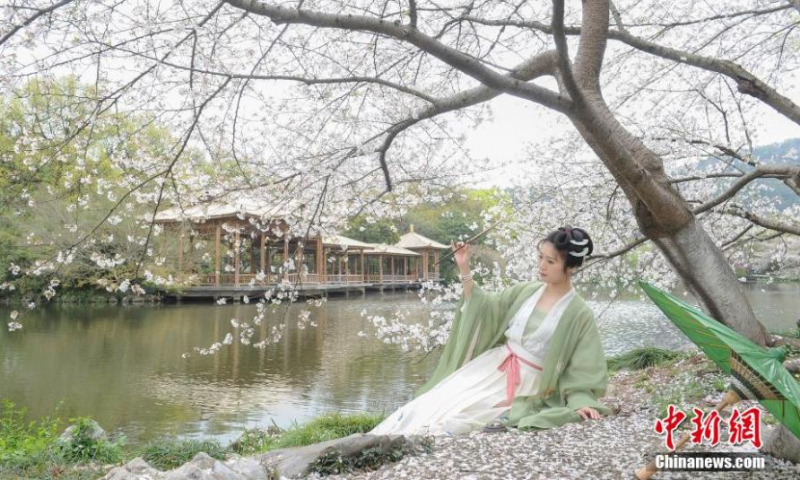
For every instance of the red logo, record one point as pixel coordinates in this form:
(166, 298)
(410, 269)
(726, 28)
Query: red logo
(742, 426)
(674, 418)
(745, 426)
(707, 427)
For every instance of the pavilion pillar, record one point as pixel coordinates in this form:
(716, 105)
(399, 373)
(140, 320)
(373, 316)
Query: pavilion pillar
(268, 266)
(191, 252)
(363, 272)
(285, 256)
(299, 258)
(324, 264)
(320, 260)
(237, 260)
(252, 251)
(436, 259)
(425, 264)
(218, 239)
(262, 254)
(380, 268)
(405, 267)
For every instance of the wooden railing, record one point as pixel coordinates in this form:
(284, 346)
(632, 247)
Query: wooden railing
(344, 278)
(229, 279)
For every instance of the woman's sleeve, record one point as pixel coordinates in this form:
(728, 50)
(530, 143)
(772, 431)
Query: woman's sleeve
(477, 320)
(585, 377)
(491, 304)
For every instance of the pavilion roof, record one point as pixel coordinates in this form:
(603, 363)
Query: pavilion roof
(379, 248)
(241, 208)
(415, 240)
(345, 241)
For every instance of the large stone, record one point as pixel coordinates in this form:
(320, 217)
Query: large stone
(296, 461)
(136, 469)
(781, 443)
(203, 467)
(283, 463)
(94, 432)
(247, 467)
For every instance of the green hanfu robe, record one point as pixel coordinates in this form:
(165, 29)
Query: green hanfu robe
(574, 373)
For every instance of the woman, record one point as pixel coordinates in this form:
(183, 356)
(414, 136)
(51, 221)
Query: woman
(529, 356)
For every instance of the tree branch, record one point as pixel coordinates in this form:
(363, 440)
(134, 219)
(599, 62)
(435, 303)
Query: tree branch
(760, 171)
(412, 6)
(564, 65)
(542, 64)
(747, 83)
(778, 226)
(33, 18)
(404, 33)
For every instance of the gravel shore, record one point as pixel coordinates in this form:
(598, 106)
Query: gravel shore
(613, 447)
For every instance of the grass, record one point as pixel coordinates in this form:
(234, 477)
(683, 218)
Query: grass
(642, 358)
(23, 444)
(320, 429)
(32, 450)
(83, 448)
(165, 454)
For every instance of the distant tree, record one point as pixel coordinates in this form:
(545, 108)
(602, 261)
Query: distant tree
(380, 231)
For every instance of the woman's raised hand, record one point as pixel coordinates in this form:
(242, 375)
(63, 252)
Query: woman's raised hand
(461, 256)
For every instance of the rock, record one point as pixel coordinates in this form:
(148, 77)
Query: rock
(248, 468)
(93, 431)
(136, 469)
(296, 461)
(201, 467)
(204, 467)
(779, 442)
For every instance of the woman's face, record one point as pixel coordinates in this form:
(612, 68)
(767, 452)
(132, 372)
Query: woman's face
(551, 264)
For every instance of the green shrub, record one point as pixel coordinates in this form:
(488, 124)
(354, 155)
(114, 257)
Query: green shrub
(642, 358)
(255, 441)
(327, 427)
(24, 443)
(82, 447)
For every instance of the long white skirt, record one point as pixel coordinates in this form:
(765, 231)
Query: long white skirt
(465, 400)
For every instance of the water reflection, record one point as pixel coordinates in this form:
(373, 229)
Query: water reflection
(123, 365)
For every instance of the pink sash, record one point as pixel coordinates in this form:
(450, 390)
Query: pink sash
(511, 366)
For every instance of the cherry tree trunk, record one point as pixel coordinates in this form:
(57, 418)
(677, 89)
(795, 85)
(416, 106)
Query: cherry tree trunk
(661, 212)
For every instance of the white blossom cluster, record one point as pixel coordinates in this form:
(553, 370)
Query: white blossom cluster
(311, 149)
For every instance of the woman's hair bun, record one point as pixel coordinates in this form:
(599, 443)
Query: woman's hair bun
(574, 242)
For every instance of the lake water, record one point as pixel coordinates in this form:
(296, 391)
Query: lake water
(123, 365)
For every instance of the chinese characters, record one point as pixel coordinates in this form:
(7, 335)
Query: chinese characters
(741, 427)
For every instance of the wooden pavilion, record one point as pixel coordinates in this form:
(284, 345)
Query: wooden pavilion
(227, 249)
(428, 250)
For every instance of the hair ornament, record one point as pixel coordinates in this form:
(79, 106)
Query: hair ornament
(582, 242)
(582, 253)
